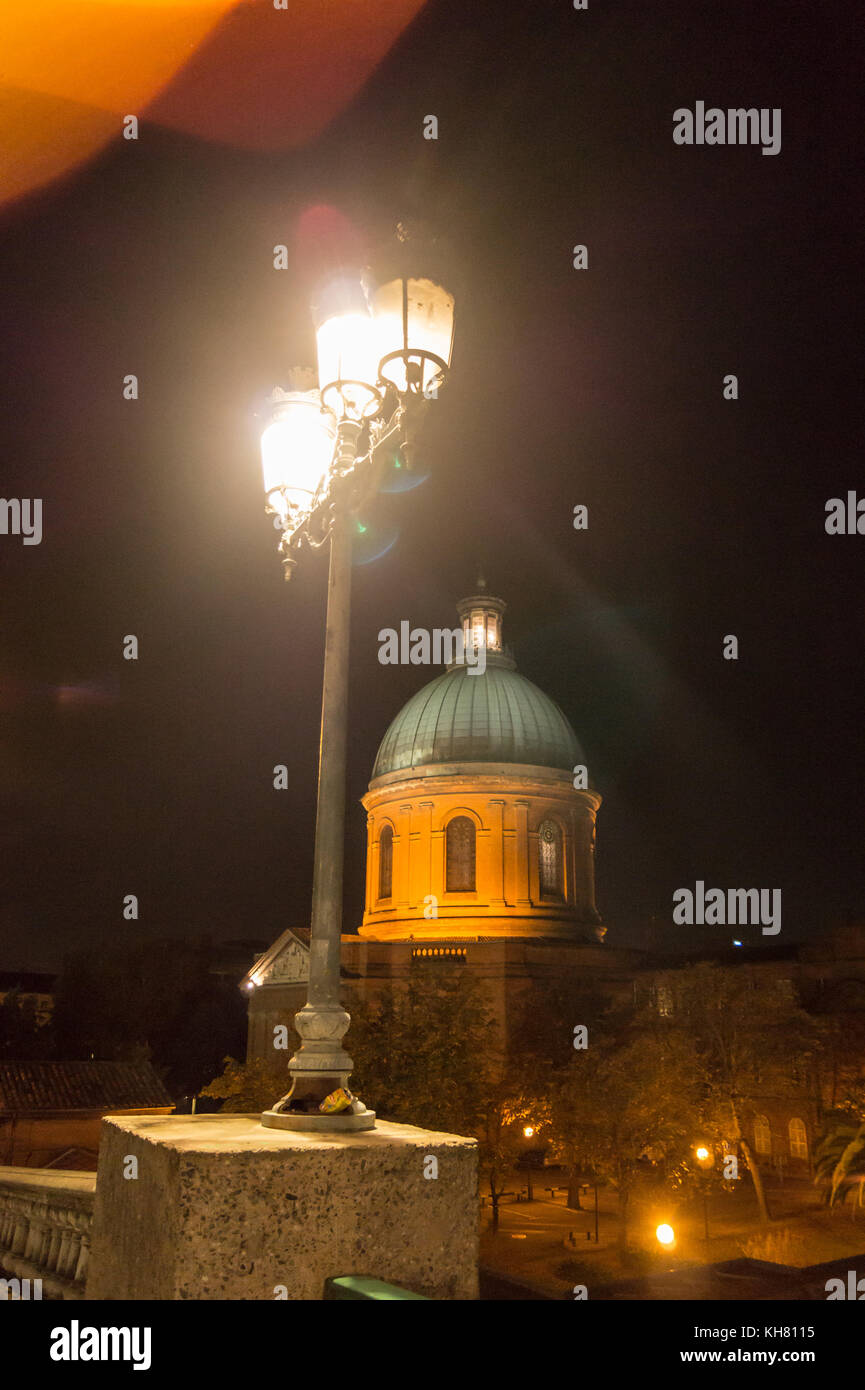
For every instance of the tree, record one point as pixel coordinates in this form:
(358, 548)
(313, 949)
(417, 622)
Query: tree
(246, 1087)
(747, 1033)
(839, 1160)
(542, 1042)
(425, 1055)
(421, 1052)
(505, 1109)
(628, 1108)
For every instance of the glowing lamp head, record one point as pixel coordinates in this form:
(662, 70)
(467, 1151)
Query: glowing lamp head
(296, 450)
(665, 1234)
(702, 1153)
(347, 338)
(529, 1131)
(415, 320)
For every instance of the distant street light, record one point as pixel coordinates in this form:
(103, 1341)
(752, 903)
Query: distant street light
(666, 1235)
(381, 358)
(528, 1131)
(706, 1161)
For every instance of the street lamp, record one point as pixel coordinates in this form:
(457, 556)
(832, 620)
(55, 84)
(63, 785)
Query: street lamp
(706, 1162)
(323, 455)
(296, 450)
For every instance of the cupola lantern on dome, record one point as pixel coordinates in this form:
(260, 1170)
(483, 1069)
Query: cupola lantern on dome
(481, 617)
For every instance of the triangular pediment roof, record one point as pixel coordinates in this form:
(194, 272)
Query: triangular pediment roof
(287, 961)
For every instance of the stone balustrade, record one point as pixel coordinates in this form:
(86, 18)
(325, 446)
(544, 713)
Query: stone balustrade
(45, 1219)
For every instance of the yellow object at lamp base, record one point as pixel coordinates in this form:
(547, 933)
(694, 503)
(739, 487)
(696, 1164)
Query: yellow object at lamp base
(337, 1100)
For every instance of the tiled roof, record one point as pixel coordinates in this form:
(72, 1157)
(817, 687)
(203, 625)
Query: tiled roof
(26, 1087)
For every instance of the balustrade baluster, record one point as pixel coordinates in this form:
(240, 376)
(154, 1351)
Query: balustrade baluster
(35, 1239)
(22, 1228)
(55, 1240)
(80, 1275)
(45, 1229)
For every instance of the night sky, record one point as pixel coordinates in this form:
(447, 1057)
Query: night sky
(601, 387)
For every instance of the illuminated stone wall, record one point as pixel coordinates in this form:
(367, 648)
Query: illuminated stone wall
(507, 806)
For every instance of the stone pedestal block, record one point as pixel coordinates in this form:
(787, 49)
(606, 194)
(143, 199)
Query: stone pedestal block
(223, 1208)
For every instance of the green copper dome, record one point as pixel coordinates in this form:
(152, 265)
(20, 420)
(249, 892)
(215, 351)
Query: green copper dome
(494, 717)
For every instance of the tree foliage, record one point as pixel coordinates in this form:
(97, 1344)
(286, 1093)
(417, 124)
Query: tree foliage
(247, 1088)
(747, 1032)
(839, 1159)
(422, 1052)
(625, 1111)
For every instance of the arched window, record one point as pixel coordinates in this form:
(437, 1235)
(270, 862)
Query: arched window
(550, 859)
(385, 862)
(798, 1139)
(460, 855)
(762, 1135)
(665, 1001)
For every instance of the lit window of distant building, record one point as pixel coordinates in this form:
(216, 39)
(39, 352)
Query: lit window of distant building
(665, 1001)
(798, 1139)
(762, 1135)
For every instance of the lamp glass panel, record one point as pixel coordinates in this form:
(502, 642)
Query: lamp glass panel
(428, 325)
(296, 450)
(348, 349)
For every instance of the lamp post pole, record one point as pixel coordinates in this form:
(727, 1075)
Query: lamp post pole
(322, 1022)
(330, 817)
(321, 1065)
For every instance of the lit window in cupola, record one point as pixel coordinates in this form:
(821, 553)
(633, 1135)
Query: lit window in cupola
(385, 863)
(550, 859)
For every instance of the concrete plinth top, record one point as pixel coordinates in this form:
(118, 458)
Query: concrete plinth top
(246, 1134)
